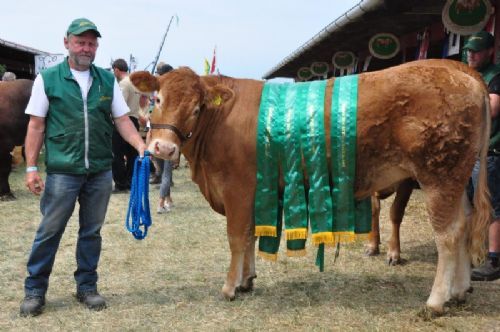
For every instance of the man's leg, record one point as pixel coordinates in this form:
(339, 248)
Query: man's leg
(490, 270)
(93, 199)
(57, 205)
(119, 147)
(131, 154)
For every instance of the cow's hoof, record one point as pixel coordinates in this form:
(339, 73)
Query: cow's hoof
(371, 251)
(427, 313)
(393, 261)
(470, 290)
(228, 294)
(247, 286)
(456, 302)
(7, 197)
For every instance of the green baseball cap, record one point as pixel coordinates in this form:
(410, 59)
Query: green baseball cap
(80, 25)
(479, 41)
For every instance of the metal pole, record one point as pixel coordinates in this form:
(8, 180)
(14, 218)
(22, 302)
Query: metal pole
(161, 46)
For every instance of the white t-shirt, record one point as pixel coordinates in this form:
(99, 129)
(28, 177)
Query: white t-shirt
(38, 104)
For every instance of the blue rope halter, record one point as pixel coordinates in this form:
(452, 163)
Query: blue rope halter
(138, 206)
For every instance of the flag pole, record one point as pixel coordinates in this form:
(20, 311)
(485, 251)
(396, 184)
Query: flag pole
(161, 45)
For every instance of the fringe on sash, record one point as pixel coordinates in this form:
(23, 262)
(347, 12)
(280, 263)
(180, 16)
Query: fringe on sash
(322, 237)
(266, 231)
(296, 234)
(268, 256)
(345, 238)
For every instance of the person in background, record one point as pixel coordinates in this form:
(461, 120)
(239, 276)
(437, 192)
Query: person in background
(480, 51)
(8, 76)
(73, 109)
(156, 178)
(123, 153)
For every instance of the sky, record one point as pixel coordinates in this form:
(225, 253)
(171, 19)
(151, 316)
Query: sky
(251, 37)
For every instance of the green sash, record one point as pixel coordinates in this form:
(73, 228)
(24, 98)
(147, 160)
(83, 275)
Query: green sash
(291, 138)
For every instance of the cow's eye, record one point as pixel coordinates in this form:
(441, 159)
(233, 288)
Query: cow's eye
(196, 111)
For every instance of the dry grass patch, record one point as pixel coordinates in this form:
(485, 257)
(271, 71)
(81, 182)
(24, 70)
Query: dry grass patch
(172, 279)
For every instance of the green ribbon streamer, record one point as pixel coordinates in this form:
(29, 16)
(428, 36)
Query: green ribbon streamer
(313, 144)
(295, 207)
(348, 215)
(266, 194)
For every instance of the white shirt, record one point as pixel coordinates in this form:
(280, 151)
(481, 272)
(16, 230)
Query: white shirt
(38, 104)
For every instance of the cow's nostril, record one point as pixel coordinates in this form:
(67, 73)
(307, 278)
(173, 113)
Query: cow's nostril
(157, 148)
(172, 152)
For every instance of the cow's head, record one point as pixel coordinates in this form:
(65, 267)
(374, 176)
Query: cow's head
(181, 96)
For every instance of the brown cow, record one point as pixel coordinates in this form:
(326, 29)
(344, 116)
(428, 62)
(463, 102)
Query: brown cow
(14, 96)
(425, 120)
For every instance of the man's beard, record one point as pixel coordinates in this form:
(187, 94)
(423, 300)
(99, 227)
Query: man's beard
(82, 60)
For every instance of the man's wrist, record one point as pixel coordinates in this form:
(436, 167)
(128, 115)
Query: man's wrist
(31, 169)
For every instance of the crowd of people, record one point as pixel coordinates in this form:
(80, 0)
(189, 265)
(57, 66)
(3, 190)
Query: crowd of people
(108, 106)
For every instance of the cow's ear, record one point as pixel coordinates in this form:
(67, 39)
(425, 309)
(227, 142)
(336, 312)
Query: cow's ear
(218, 96)
(144, 81)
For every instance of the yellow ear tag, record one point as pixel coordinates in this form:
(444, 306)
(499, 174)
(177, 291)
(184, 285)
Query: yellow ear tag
(217, 101)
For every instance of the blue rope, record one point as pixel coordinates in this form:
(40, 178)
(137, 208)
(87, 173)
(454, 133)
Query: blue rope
(138, 206)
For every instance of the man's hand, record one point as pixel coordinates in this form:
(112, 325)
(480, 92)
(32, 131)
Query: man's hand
(34, 182)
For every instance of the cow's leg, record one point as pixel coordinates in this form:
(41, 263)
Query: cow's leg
(240, 234)
(448, 221)
(398, 207)
(461, 283)
(248, 268)
(372, 247)
(5, 168)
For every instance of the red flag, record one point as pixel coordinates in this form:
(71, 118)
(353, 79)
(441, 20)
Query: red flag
(424, 45)
(212, 68)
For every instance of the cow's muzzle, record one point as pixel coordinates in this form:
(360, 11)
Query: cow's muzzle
(164, 150)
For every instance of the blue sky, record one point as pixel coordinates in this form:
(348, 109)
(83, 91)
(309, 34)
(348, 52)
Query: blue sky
(251, 36)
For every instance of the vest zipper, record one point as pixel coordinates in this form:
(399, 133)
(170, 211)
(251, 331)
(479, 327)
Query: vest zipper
(86, 122)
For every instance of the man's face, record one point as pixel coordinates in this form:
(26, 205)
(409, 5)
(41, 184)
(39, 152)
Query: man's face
(479, 59)
(81, 49)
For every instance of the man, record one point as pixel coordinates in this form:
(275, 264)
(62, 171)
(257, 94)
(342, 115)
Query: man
(72, 110)
(123, 153)
(480, 51)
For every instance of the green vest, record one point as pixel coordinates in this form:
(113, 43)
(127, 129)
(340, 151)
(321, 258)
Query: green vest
(78, 133)
(488, 73)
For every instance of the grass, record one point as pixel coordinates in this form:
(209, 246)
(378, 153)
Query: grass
(172, 279)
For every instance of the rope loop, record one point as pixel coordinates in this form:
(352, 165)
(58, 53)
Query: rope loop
(139, 214)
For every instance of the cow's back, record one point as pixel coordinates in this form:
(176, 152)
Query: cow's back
(417, 121)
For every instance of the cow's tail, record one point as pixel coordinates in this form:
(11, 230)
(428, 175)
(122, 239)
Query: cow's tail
(481, 215)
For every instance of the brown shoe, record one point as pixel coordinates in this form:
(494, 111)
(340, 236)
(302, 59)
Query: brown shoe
(32, 306)
(92, 300)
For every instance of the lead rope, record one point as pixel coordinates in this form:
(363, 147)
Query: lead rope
(138, 207)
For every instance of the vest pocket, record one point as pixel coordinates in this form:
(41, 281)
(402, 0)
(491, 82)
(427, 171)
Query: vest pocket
(65, 150)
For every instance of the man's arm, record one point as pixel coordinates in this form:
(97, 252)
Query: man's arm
(495, 105)
(127, 130)
(33, 145)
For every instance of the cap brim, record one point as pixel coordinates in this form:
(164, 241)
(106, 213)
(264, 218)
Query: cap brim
(84, 29)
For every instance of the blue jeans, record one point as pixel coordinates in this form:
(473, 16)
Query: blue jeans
(166, 179)
(493, 166)
(57, 205)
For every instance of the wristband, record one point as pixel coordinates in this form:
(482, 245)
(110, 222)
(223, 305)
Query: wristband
(31, 169)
